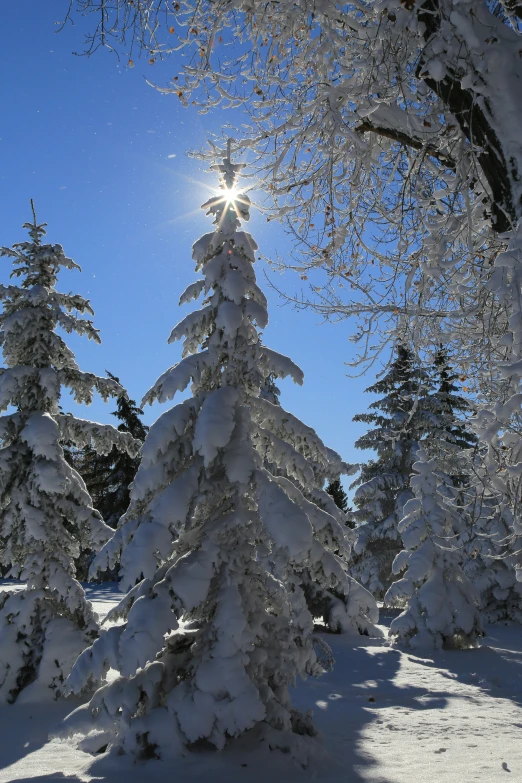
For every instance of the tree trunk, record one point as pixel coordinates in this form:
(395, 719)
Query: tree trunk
(489, 113)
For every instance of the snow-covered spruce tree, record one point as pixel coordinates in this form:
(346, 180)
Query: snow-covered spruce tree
(327, 470)
(401, 419)
(492, 551)
(324, 603)
(109, 476)
(343, 101)
(46, 514)
(452, 435)
(215, 547)
(321, 603)
(442, 602)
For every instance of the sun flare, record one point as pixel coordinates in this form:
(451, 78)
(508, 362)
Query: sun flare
(231, 194)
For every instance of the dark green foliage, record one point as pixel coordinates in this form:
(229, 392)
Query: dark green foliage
(400, 419)
(450, 407)
(109, 476)
(416, 406)
(335, 489)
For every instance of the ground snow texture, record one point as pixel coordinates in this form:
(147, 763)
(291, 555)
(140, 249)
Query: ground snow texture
(385, 716)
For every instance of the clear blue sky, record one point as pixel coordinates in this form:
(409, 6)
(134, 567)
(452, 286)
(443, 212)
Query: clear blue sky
(103, 156)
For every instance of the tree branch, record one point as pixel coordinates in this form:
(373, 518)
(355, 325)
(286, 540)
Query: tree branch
(407, 141)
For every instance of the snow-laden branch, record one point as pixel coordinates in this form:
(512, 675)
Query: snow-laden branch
(101, 437)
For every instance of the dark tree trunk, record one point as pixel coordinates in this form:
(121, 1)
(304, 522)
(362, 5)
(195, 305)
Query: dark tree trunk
(479, 126)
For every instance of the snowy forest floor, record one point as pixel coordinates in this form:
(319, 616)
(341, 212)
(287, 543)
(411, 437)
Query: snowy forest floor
(385, 716)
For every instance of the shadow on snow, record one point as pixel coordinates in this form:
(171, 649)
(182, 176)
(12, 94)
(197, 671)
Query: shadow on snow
(495, 667)
(347, 703)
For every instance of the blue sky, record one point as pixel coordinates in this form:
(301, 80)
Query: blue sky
(103, 156)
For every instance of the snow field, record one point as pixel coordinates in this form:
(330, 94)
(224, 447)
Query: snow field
(384, 716)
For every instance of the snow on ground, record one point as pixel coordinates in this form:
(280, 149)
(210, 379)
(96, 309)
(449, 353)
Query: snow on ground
(385, 716)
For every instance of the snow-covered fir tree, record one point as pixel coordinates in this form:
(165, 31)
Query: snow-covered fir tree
(215, 548)
(451, 436)
(109, 476)
(442, 602)
(321, 603)
(349, 99)
(46, 514)
(326, 471)
(401, 419)
(492, 552)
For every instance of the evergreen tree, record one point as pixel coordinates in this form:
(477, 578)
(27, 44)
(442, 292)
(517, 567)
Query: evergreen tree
(109, 476)
(336, 490)
(451, 436)
(401, 419)
(322, 472)
(321, 603)
(217, 628)
(492, 551)
(442, 602)
(46, 514)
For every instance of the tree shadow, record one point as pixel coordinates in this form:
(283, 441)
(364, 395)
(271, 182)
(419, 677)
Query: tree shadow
(103, 591)
(355, 695)
(495, 667)
(353, 708)
(104, 595)
(345, 703)
(26, 727)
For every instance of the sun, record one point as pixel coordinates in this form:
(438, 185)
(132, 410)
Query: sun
(231, 195)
